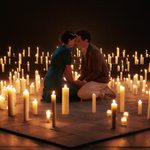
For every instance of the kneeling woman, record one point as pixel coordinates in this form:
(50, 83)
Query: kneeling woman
(61, 67)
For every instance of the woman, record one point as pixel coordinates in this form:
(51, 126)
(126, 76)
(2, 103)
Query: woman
(61, 67)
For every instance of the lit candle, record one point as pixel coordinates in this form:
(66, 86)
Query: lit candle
(48, 116)
(28, 51)
(35, 106)
(109, 113)
(11, 101)
(53, 102)
(28, 66)
(139, 107)
(145, 74)
(93, 103)
(26, 104)
(65, 100)
(3, 67)
(124, 121)
(113, 109)
(32, 88)
(2, 102)
(148, 111)
(122, 98)
(126, 114)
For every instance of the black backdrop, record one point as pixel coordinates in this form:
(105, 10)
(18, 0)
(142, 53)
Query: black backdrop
(39, 23)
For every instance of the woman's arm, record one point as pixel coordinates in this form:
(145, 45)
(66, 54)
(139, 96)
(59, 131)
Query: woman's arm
(68, 73)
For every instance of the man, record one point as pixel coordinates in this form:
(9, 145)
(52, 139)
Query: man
(94, 70)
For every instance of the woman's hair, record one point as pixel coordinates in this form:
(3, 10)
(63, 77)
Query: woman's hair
(66, 36)
(84, 35)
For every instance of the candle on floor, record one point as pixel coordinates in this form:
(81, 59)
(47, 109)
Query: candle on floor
(35, 106)
(122, 98)
(123, 121)
(2, 101)
(113, 109)
(148, 111)
(48, 116)
(53, 102)
(26, 104)
(65, 100)
(93, 103)
(109, 113)
(126, 114)
(139, 107)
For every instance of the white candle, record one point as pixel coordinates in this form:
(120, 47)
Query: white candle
(48, 116)
(122, 98)
(113, 109)
(11, 101)
(3, 67)
(124, 121)
(26, 104)
(109, 113)
(35, 106)
(32, 88)
(93, 103)
(2, 102)
(28, 51)
(139, 107)
(145, 74)
(53, 102)
(28, 66)
(65, 100)
(126, 114)
(148, 111)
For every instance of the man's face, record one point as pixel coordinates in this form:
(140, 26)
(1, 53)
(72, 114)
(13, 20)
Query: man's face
(79, 42)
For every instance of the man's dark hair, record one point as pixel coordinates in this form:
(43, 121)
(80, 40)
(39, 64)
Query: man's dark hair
(66, 36)
(84, 35)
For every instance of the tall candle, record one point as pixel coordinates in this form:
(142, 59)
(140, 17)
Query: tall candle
(139, 107)
(35, 106)
(53, 102)
(2, 102)
(94, 103)
(122, 98)
(48, 116)
(65, 100)
(113, 109)
(148, 111)
(26, 104)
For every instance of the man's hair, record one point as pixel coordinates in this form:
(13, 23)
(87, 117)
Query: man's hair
(84, 35)
(66, 36)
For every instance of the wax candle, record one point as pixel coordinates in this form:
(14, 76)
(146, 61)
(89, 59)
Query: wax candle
(145, 74)
(2, 102)
(126, 114)
(139, 107)
(28, 51)
(3, 67)
(122, 98)
(11, 101)
(53, 102)
(113, 109)
(93, 103)
(48, 116)
(65, 100)
(26, 104)
(32, 88)
(109, 113)
(28, 66)
(124, 121)
(35, 106)
(148, 111)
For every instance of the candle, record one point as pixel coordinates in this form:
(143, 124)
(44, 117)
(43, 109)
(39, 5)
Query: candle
(93, 103)
(11, 101)
(113, 109)
(2, 102)
(32, 88)
(48, 116)
(109, 113)
(3, 67)
(28, 66)
(122, 98)
(53, 102)
(145, 74)
(124, 121)
(126, 114)
(35, 106)
(28, 51)
(148, 111)
(139, 107)
(26, 104)
(65, 100)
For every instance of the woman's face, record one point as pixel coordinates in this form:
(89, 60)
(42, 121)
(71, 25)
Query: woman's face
(71, 43)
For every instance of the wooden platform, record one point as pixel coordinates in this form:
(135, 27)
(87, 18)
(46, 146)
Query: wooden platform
(81, 127)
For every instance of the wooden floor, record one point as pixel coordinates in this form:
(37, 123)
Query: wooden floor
(81, 128)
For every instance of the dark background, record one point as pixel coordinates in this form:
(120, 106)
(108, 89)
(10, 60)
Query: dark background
(39, 23)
